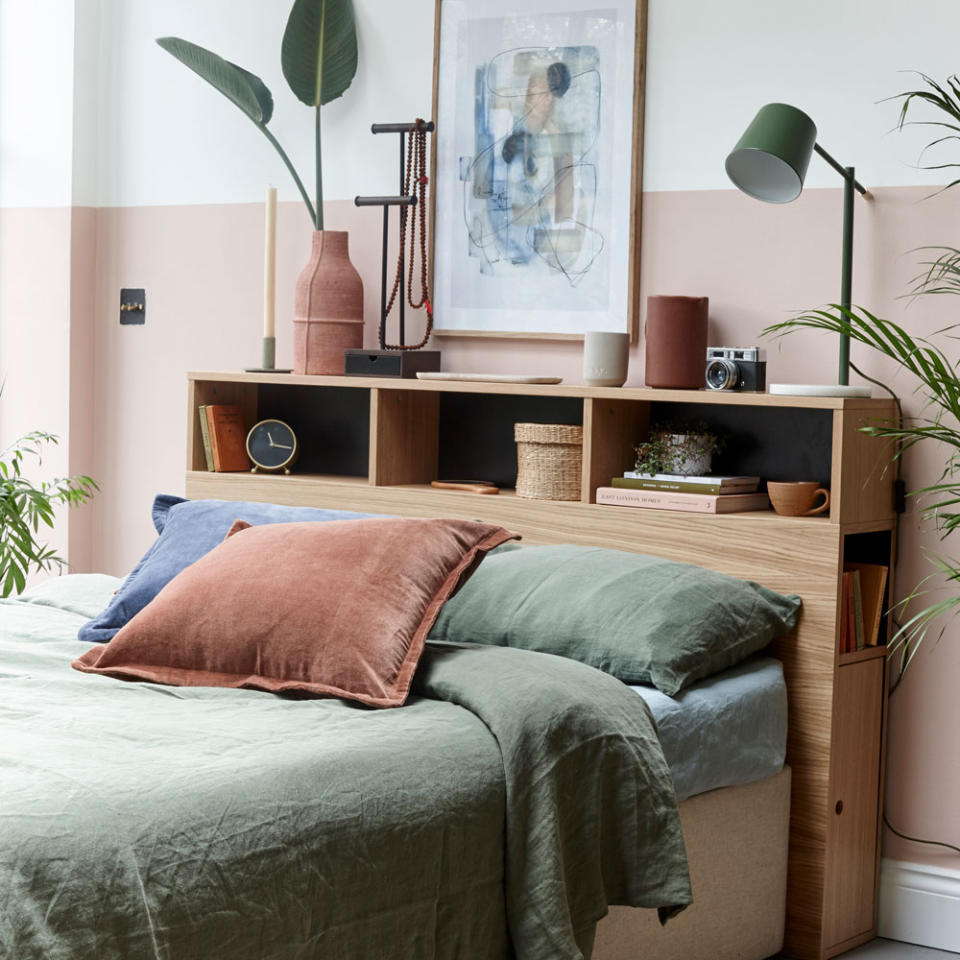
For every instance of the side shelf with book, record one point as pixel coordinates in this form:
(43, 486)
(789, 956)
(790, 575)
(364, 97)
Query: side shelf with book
(863, 605)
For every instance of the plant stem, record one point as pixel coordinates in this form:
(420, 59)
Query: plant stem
(319, 218)
(283, 156)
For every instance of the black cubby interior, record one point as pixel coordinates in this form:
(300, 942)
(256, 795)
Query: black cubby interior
(332, 425)
(774, 443)
(873, 547)
(476, 432)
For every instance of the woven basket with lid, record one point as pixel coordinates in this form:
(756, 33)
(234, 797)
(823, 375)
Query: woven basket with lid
(549, 460)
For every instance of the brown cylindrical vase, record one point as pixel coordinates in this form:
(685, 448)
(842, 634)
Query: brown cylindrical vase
(328, 307)
(676, 342)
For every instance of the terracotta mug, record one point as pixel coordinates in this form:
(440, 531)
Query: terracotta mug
(795, 498)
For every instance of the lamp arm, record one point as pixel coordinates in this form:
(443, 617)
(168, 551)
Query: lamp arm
(857, 185)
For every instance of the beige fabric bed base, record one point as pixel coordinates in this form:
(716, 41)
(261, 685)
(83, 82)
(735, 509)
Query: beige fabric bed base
(737, 842)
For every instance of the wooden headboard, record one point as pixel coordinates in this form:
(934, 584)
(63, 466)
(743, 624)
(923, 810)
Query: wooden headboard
(405, 432)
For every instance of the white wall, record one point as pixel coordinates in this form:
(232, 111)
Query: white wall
(48, 146)
(712, 64)
(36, 102)
(168, 138)
(150, 132)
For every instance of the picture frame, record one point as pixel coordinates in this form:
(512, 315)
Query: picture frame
(536, 168)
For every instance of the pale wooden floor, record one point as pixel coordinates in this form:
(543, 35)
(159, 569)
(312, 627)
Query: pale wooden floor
(892, 950)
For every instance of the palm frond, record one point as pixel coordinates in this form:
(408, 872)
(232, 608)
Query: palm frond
(942, 97)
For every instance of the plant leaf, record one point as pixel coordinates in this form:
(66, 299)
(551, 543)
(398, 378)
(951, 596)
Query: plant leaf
(319, 50)
(239, 86)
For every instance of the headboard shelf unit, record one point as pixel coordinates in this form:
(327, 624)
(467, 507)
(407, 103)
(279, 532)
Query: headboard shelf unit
(373, 445)
(411, 431)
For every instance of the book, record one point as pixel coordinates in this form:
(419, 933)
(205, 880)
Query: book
(716, 484)
(873, 586)
(845, 592)
(228, 437)
(850, 627)
(857, 610)
(205, 436)
(688, 484)
(692, 502)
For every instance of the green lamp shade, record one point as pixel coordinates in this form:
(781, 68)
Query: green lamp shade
(770, 160)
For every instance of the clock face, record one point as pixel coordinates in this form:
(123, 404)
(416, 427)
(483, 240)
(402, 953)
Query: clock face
(271, 444)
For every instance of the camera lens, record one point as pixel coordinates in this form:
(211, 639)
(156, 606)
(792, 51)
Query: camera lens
(722, 374)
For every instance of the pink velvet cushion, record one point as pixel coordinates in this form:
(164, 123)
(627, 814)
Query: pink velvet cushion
(340, 608)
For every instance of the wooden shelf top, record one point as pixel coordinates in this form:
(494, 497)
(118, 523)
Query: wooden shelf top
(643, 394)
(241, 476)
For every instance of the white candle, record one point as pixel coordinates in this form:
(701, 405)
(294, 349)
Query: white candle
(270, 265)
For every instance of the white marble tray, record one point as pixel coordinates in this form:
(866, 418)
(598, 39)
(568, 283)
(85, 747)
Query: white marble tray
(487, 377)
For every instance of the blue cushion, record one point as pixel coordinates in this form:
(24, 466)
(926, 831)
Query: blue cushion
(188, 529)
(162, 503)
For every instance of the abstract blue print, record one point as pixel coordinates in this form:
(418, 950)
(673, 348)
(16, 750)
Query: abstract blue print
(537, 185)
(530, 187)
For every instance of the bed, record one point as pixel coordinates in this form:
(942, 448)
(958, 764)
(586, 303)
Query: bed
(141, 820)
(154, 821)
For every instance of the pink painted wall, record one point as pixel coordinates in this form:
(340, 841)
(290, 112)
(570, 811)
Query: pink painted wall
(201, 267)
(34, 336)
(82, 424)
(47, 273)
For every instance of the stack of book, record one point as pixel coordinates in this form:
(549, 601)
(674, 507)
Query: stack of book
(668, 491)
(861, 605)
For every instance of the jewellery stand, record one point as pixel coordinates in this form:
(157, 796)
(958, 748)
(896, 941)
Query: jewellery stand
(385, 362)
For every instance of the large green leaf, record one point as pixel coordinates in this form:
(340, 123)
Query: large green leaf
(239, 86)
(319, 51)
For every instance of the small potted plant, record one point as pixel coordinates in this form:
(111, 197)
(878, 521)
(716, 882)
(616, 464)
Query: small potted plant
(24, 506)
(681, 450)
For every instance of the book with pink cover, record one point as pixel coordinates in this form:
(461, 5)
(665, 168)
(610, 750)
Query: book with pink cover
(691, 502)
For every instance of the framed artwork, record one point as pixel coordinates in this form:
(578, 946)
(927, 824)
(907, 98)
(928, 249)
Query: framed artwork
(537, 166)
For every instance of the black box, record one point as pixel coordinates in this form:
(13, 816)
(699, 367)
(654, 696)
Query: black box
(390, 363)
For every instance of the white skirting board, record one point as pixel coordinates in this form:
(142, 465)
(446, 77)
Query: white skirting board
(920, 904)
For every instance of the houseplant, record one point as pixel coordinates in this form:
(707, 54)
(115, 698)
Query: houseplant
(318, 55)
(938, 380)
(25, 506)
(683, 450)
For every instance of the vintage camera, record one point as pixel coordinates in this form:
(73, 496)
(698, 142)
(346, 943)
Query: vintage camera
(736, 368)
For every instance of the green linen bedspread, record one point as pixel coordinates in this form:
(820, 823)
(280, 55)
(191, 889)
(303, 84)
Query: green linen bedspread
(495, 815)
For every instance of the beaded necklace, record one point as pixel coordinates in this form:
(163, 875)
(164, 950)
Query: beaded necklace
(417, 179)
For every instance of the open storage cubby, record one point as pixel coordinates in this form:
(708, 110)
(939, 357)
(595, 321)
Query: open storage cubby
(335, 431)
(373, 445)
(771, 443)
(877, 547)
(476, 432)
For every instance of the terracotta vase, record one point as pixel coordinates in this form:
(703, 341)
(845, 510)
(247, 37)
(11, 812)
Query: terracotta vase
(328, 307)
(676, 353)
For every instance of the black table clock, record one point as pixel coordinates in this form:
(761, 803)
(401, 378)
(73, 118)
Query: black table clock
(272, 446)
